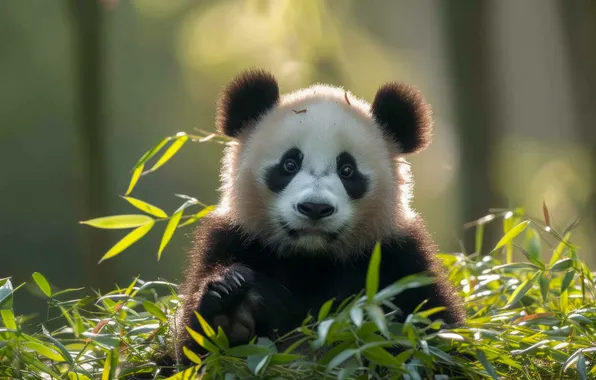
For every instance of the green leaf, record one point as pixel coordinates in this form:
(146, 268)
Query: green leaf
(6, 294)
(324, 311)
(486, 364)
(8, 318)
(544, 286)
(246, 350)
(202, 341)
(207, 329)
(340, 358)
(192, 356)
(478, 238)
(372, 276)
(509, 236)
(567, 280)
(154, 310)
(562, 265)
(119, 221)
(148, 208)
(381, 356)
(169, 231)
(581, 366)
(48, 352)
(42, 283)
(136, 174)
(559, 249)
(128, 240)
(378, 317)
(357, 316)
(284, 358)
(564, 301)
(199, 215)
(522, 289)
(181, 139)
(151, 152)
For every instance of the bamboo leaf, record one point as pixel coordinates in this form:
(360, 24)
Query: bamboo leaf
(511, 234)
(154, 310)
(567, 280)
(202, 341)
(181, 139)
(559, 249)
(562, 265)
(169, 231)
(372, 276)
(45, 351)
(544, 286)
(192, 356)
(134, 178)
(201, 214)
(486, 364)
(151, 152)
(42, 283)
(148, 208)
(117, 222)
(546, 214)
(128, 240)
(522, 289)
(324, 310)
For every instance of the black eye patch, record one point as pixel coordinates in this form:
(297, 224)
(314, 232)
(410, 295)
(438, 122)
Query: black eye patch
(278, 177)
(357, 183)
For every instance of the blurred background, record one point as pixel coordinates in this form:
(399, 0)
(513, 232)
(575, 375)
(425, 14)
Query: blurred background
(87, 86)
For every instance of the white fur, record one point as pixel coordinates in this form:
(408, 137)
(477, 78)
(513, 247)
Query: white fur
(320, 122)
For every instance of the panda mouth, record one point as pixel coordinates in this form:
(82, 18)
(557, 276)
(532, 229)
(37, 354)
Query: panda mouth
(309, 231)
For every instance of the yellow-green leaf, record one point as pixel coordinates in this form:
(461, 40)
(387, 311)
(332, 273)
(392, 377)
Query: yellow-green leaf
(128, 240)
(118, 222)
(148, 208)
(167, 235)
(192, 356)
(107, 367)
(565, 301)
(324, 310)
(154, 310)
(205, 326)
(511, 234)
(43, 284)
(8, 318)
(201, 214)
(151, 152)
(136, 174)
(522, 289)
(45, 351)
(170, 152)
(372, 276)
(560, 248)
(202, 341)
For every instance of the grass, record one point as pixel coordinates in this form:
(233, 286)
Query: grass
(527, 319)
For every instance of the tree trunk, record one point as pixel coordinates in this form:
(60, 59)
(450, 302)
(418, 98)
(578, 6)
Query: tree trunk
(468, 42)
(88, 65)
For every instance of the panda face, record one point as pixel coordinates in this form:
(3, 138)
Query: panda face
(315, 180)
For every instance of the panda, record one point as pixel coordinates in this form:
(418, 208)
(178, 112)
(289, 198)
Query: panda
(314, 180)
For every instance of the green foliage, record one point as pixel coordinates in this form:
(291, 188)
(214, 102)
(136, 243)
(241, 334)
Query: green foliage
(527, 318)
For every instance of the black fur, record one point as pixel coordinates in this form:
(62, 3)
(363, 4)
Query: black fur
(277, 178)
(404, 115)
(357, 185)
(225, 267)
(244, 100)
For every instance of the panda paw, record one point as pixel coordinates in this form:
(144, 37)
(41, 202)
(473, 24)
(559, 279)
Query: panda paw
(229, 302)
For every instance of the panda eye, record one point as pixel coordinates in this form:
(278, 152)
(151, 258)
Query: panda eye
(290, 166)
(346, 171)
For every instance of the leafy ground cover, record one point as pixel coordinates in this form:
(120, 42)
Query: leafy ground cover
(531, 318)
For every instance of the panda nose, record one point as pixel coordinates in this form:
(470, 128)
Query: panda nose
(315, 211)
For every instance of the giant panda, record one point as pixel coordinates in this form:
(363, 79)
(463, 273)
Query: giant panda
(314, 179)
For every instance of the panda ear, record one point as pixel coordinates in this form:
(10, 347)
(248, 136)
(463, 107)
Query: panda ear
(404, 115)
(244, 100)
